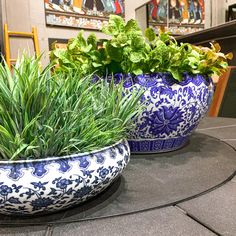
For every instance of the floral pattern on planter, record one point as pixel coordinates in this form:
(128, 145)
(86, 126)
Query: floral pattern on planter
(172, 109)
(48, 185)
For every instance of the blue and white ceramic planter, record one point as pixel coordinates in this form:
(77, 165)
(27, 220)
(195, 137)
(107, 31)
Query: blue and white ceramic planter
(172, 110)
(48, 185)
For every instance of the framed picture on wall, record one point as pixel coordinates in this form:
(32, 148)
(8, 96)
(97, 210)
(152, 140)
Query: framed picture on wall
(176, 16)
(83, 14)
(158, 15)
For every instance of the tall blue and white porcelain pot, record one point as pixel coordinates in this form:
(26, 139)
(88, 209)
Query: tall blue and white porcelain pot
(172, 110)
(51, 184)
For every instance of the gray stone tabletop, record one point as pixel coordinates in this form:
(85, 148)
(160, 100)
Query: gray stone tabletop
(210, 213)
(221, 128)
(167, 221)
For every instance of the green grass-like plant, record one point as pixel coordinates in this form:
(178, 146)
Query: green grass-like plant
(44, 115)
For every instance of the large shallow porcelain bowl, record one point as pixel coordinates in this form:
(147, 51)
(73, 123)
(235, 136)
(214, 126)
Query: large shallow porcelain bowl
(172, 110)
(51, 184)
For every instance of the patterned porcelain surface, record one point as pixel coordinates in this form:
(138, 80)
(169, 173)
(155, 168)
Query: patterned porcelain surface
(48, 185)
(172, 110)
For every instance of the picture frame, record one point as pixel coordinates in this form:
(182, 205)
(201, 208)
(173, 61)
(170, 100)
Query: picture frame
(179, 17)
(82, 14)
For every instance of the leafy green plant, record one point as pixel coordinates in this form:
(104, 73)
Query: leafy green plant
(43, 115)
(128, 51)
(166, 55)
(81, 55)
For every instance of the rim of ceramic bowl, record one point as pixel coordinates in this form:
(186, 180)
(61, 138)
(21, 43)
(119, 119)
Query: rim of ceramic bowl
(154, 139)
(64, 157)
(206, 79)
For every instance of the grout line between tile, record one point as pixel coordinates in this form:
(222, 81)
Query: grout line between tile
(229, 139)
(233, 180)
(198, 221)
(180, 209)
(216, 127)
(49, 230)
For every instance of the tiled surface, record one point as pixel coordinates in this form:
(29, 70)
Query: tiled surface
(23, 231)
(221, 133)
(216, 209)
(221, 128)
(231, 142)
(167, 222)
(209, 123)
(234, 179)
(153, 181)
(206, 214)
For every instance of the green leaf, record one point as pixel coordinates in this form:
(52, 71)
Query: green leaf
(136, 57)
(73, 44)
(138, 43)
(92, 40)
(96, 64)
(150, 34)
(138, 72)
(116, 24)
(87, 49)
(132, 27)
(114, 53)
(176, 73)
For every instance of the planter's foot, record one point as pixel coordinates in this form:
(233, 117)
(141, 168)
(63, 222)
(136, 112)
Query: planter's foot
(157, 145)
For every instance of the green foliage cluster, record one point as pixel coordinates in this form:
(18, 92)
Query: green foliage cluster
(81, 55)
(43, 115)
(128, 51)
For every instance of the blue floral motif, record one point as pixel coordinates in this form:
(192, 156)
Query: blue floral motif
(15, 172)
(5, 190)
(40, 169)
(63, 183)
(103, 172)
(146, 80)
(168, 113)
(173, 109)
(84, 163)
(42, 187)
(39, 185)
(120, 149)
(120, 163)
(40, 203)
(16, 188)
(113, 153)
(165, 120)
(190, 128)
(100, 158)
(192, 111)
(128, 82)
(88, 173)
(64, 166)
(82, 192)
(13, 200)
(126, 159)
